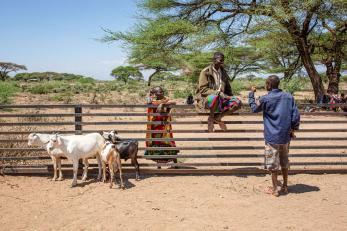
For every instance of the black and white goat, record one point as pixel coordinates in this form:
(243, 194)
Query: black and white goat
(127, 149)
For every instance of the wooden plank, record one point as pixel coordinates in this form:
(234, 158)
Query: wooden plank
(250, 147)
(120, 131)
(68, 172)
(193, 156)
(207, 139)
(152, 123)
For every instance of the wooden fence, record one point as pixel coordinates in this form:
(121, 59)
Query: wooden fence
(320, 145)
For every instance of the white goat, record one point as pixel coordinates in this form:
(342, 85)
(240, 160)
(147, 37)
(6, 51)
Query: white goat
(111, 156)
(79, 147)
(41, 140)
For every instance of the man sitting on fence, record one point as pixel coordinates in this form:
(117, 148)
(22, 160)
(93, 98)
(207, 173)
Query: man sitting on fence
(281, 118)
(214, 93)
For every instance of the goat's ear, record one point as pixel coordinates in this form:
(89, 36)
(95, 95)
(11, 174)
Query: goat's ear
(59, 140)
(115, 132)
(105, 134)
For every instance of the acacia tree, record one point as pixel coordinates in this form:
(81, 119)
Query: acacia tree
(6, 68)
(231, 18)
(331, 44)
(125, 73)
(278, 53)
(154, 44)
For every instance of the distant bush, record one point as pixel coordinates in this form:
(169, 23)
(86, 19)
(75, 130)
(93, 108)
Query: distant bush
(179, 94)
(294, 84)
(237, 86)
(7, 90)
(47, 87)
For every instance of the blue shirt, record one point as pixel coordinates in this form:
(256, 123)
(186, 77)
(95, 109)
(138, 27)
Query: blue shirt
(280, 115)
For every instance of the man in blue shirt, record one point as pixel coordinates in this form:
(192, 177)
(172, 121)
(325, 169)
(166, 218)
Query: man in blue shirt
(281, 118)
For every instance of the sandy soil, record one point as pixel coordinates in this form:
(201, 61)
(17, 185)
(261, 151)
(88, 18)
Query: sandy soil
(316, 202)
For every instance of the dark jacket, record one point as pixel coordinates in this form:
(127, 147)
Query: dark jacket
(280, 114)
(207, 86)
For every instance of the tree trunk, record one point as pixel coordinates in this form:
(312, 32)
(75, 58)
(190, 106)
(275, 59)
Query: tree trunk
(151, 76)
(306, 60)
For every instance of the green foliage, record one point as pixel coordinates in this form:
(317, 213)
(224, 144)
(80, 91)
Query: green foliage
(51, 76)
(45, 87)
(294, 84)
(237, 86)
(126, 73)
(7, 90)
(178, 94)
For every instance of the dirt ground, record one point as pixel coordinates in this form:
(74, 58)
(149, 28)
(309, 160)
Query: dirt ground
(316, 202)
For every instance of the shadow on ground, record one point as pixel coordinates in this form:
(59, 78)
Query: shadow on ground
(302, 188)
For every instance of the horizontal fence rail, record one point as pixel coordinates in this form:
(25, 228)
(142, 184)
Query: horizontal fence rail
(17, 124)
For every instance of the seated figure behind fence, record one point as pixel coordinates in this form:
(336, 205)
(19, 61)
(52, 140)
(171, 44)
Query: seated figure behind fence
(156, 97)
(214, 93)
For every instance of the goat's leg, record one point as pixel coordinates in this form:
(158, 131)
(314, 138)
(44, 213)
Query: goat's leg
(120, 171)
(54, 160)
(111, 167)
(115, 168)
(137, 168)
(98, 159)
(85, 171)
(103, 172)
(75, 170)
(59, 168)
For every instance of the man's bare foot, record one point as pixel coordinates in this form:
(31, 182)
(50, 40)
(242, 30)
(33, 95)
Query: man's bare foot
(210, 125)
(221, 125)
(284, 189)
(269, 190)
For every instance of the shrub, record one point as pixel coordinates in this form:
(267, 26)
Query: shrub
(237, 85)
(179, 94)
(7, 90)
(293, 85)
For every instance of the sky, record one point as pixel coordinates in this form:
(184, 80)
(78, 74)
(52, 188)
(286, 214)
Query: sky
(60, 35)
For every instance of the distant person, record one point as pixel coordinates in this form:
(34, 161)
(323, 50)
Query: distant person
(343, 99)
(190, 99)
(161, 124)
(281, 118)
(214, 93)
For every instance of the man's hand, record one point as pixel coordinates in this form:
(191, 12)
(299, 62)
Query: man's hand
(292, 135)
(253, 88)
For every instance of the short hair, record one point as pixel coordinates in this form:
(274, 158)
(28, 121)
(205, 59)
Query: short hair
(154, 90)
(217, 54)
(273, 81)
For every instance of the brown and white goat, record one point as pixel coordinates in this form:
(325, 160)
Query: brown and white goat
(111, 156)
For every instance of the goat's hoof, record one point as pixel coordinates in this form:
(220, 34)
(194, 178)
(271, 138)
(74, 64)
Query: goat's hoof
(60, 179)
(73, 184)
(137, 178)
(110, 186)
(84, 178)
(122, 187)
(54, 179)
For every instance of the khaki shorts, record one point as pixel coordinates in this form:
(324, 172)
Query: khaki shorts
(276, 155)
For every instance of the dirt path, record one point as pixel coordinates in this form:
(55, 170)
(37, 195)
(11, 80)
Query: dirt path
(317, 202)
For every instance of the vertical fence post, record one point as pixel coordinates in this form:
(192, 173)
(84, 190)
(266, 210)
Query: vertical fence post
(78, 119)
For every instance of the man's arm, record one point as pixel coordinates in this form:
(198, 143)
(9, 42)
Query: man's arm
(255, 106)
(203, 87)
(295, 123)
